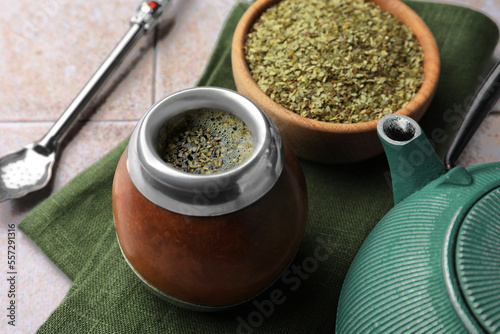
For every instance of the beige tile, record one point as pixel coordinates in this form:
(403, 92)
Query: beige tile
(183, 53)
(485, 145)
(17, 134)
(92, 141)
(50, 49)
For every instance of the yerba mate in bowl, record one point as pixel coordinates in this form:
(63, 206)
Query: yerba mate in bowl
(205, 141)
(208, 241)
(336, 61)
(326, 70)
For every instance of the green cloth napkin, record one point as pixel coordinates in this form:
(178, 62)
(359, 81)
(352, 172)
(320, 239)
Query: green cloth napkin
(75, 228)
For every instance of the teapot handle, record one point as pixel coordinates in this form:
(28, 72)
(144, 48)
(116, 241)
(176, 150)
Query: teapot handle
(483, 101)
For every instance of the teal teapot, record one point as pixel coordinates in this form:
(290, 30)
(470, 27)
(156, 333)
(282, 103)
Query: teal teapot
(432, 264)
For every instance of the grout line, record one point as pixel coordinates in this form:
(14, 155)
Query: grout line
(7, 122)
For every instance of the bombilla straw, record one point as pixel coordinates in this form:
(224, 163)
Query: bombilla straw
(30, 168)
(482, 103)
(141, 22)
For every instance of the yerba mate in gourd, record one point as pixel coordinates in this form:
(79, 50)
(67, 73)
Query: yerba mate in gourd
(338, 61)
(205, 141)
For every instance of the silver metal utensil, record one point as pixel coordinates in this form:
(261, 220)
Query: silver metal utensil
(30, 168)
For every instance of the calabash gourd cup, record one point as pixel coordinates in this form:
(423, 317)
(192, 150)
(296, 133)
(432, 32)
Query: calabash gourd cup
(209, 242)
(325, 141)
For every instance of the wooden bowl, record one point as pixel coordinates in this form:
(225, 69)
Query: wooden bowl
(333, 142)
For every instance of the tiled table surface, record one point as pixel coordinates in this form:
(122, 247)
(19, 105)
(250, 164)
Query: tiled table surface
(48, 50)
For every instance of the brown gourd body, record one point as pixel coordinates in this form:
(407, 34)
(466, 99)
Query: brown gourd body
(215, 261)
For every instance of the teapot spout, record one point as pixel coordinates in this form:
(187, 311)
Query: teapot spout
(412, 160)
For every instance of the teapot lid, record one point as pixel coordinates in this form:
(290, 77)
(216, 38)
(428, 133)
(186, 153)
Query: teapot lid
(477, 260)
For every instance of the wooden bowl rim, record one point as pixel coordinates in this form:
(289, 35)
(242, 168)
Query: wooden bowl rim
(400, 10)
